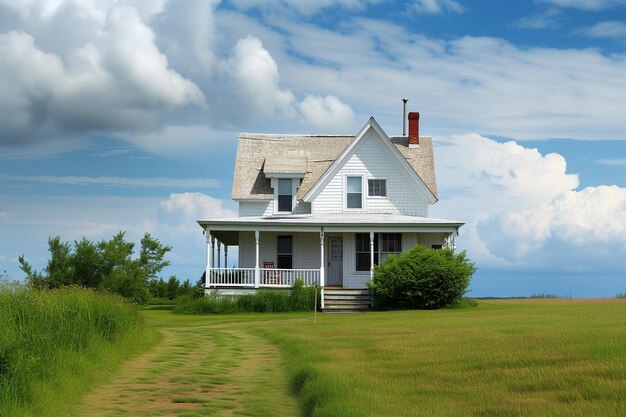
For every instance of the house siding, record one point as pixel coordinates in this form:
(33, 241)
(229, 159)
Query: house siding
(306, 249)
(254, 208)
(371, 160)
(266, 208)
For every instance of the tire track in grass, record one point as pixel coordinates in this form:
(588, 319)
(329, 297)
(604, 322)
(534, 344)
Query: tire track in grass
(198, 371)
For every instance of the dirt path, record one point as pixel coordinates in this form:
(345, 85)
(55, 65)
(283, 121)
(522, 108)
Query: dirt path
(198, 370)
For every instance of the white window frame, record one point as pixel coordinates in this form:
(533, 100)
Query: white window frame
(344, 192)
(380, 246)
(379, 253)
(386, 187)
(295, 182)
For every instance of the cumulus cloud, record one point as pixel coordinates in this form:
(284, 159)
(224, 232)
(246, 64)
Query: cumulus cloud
(579, 230)
(327, 113)
(253, 75)
(523, 209)
(185, 207)
(436, 6)
(120, 81)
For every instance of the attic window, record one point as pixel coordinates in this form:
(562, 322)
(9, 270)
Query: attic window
(354, 194)
(285, 195)
(377, 188)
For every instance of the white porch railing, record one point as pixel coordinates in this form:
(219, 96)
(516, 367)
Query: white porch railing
(272, 277)
(269, 277)
(231, 277)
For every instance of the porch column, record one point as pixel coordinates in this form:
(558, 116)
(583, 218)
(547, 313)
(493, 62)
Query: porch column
(213, 251)
(257, 272)
(322, 278)
(225, 255)
(219, 249)
(371, 254)
(207, 272)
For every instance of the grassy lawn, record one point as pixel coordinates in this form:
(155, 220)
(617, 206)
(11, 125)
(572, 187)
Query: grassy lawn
(502, 358)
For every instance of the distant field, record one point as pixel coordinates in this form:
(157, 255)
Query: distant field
(547, 357)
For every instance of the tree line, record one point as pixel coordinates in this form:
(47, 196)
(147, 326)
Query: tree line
(110, 265)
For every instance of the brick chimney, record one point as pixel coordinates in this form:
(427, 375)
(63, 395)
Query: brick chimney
(414, 129)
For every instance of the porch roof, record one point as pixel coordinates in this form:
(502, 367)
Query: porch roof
(336, 222)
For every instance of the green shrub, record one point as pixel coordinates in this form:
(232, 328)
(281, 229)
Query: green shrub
(299, 298)
(421, 278)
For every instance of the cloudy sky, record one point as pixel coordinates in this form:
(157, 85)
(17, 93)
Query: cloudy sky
(123, 115)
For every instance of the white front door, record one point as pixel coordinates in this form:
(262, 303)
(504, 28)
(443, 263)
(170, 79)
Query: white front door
(335, 261)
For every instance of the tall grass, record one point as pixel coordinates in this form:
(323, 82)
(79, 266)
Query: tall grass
(300, 298)
(52, 343)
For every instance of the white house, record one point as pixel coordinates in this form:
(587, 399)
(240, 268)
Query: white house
(325, 208)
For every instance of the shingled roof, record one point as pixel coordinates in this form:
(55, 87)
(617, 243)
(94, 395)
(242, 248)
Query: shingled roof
(254, 150)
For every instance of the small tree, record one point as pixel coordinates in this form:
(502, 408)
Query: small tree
(421, 278)
(106, 265)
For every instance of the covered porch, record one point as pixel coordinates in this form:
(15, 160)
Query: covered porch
(325, 250)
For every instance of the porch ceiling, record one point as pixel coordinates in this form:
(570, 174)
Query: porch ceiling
(227, 237)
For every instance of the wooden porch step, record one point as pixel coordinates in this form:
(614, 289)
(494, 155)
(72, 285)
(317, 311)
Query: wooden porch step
(346, 300)
(346, 291)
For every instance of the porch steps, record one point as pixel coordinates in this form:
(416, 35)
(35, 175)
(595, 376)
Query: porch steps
(346, 300)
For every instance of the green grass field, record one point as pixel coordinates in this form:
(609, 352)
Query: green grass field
(548, 357)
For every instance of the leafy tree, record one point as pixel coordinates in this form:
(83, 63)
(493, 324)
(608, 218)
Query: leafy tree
(106, 265)
(152, 254)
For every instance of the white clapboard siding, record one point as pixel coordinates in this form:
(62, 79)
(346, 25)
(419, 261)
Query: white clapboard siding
(372, 161)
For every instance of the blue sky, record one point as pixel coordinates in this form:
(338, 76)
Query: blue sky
(123, 115)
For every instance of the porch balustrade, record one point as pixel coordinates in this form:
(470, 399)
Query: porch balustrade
(269, 277)
(231, 277)
(272, 277)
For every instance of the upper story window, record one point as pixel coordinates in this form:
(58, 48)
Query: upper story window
(354, 193)
(285, 195)
(377, 188)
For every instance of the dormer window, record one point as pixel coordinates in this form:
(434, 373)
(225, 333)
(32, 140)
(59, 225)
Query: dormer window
(285, 195)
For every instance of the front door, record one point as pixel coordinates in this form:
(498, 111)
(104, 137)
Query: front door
(335, 261)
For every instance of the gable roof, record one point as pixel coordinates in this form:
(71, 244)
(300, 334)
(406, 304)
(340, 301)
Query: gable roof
(255, 150)
(399, 159)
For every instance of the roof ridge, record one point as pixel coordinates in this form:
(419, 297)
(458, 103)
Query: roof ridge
(306, 135)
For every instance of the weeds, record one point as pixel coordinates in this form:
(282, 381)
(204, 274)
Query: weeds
(299, 298)
(43, 334)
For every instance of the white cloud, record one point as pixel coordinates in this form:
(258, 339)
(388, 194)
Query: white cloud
(523, 210)
(189, 207)
(610, 29)
(328, 113)
(117, 181)
(586, 4)
(436, 6)
(476, 84)
(115, 80)
(183, 140)
(579, 230)
(253, 76)
(541, 20)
